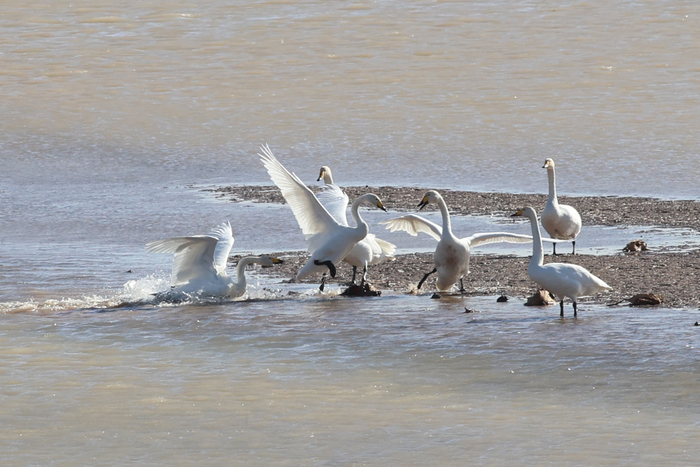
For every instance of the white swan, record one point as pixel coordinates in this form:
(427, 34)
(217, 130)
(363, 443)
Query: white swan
(328, 240)
(561, 221)
(563, 280)
(451, 255)
(200, 263)
(370, 250)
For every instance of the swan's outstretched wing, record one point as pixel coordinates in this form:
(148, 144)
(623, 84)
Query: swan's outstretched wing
(413, 224)
(194, 256)
(381, 249)
(335, 201)
(387, 248)
(311, 216)
(223, 247)
(496, 237)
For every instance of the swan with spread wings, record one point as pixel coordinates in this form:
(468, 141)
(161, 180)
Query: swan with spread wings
(199, 267)
(328, 240)
(451, 255)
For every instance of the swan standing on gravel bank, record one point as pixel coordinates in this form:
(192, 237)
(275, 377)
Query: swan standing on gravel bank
(563, 280)
(328, 240)
(451, 255)
(370, 250)
(200, 263)
(561, 221)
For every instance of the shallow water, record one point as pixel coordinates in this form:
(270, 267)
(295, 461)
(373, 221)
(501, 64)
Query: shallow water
(116, 115)
(397, 379)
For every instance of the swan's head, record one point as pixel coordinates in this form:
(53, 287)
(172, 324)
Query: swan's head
(431, 196)
(548, 164)
(268, 261)
(526, 212)
(373, 200)
(326, 175)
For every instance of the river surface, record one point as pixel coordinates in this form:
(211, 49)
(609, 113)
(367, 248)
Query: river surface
(117, 115)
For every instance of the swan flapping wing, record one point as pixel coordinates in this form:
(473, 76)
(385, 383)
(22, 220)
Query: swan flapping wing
(381, 249)
(194, 256)
(336, 202)
(496, 237)
(413, 224)
(223, 247)
(311, 216)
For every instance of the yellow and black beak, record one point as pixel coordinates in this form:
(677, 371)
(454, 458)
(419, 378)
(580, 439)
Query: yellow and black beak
(519, 213)
(423, 203)
(321, 174)
(380, 205)
(276, 260)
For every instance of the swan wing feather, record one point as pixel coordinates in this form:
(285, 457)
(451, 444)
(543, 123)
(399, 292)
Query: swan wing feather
(311, 216)
(223, 247)
(194, 256)
(413, 224)
(335, 201)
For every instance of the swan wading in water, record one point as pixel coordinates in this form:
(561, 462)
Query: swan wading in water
(561, 221)
(200, 263)
(368, 251)
(563, 280)
(451, 255)
(328, 240)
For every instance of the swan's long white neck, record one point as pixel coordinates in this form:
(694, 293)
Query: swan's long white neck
(446, 221)
(240, 271)
(537, 253)
(361, 225)
(552, 185)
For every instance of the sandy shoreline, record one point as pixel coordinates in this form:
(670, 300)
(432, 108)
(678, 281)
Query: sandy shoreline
(675, 276)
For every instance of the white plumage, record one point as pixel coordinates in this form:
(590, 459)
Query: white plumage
(563, 280)
(451, 255)
(328, 240)
(370, 250)
(199, 267)
(560, 221)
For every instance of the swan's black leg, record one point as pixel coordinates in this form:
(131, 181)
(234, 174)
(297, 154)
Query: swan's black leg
(461, 286)
(554, 249)
(323, 282)
(574, 309)
(364, 276)
(328, 264)
(425, 277)
(354, 273)
(574, 244)
(562, 309)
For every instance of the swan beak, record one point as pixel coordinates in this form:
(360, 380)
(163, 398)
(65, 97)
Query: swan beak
(423, 203)
(519, 213)
(547, 164)
(277, 261)
(320, 175)
(380, 205)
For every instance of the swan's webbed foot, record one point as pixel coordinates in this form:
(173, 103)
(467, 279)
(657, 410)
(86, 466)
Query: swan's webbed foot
(323, 283)
(328, 264)
(561, 313)
(425, 277)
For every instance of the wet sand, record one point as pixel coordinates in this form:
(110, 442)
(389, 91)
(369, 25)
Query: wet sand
(675, 276)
